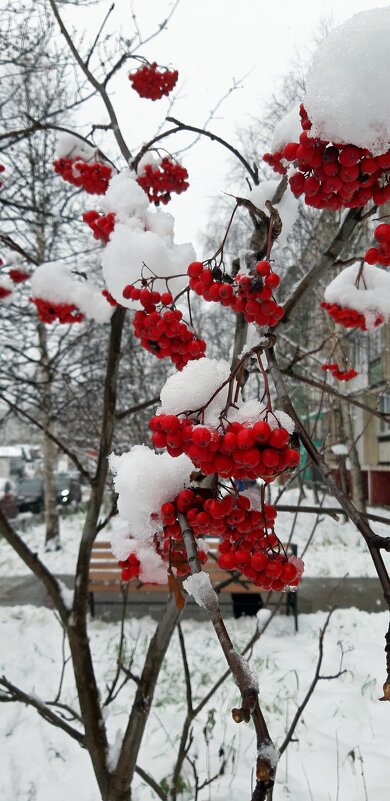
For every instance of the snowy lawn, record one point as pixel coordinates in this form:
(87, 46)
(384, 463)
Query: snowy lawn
(341, 752)
(336, 549)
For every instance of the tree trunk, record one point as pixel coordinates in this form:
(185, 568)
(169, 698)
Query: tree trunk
(52, 535)
(357, 484)
(124, 772)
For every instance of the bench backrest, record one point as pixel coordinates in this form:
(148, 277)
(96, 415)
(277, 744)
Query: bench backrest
(105, 574)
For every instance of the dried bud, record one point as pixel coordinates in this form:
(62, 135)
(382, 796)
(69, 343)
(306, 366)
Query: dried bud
(239, 715)
(386, 691)
(263, 771)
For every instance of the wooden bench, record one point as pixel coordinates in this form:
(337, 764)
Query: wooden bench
(105, 577)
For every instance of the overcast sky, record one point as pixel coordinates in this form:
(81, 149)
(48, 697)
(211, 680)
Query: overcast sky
(212, 42)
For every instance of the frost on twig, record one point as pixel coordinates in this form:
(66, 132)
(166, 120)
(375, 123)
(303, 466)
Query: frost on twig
(199, 586)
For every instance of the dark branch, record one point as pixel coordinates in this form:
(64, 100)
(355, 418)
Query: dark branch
(16, 694)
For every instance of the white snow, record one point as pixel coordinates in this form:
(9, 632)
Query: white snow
(340, 449)
(246, 678)
(114, 750)
(269, 753)
(54, 282)
(193, 386)
(347, 97)
(287, 207)
(124, 197)
(55, 767)
(71, 146)
(133, 252)
(199, 586)
(288, 129)
(372, 295)
(66, 594)
(142, 243)
(150, 159)
(152, 567)
(144, 480)
(263, 616)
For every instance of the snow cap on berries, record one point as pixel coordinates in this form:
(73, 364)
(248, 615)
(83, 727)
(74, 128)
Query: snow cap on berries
(371, 297)
(70, 146)
(124, 197)
(144, 480)
(132, 251)
(55, 283)
(194, 386)
(347, 96)
(288, 129)
(152, 568)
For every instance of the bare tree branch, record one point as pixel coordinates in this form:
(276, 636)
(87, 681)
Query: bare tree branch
(16, 694)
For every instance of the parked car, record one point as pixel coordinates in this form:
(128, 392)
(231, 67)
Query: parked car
(8, 503)
(68, 489)
(30, 495)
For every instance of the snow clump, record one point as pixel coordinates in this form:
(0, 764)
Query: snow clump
(288, 129)
(199, 586)
(141, 244)
(55, 283)
(370, 297)
(70, 146)
(193, 387)
(348, 98)
(144, 480)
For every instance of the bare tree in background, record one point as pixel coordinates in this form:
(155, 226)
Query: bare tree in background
(87, 724)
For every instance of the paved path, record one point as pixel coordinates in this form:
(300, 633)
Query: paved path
(314, 594)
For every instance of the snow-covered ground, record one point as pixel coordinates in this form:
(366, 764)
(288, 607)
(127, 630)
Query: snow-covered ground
(336, 548)
(341, 748)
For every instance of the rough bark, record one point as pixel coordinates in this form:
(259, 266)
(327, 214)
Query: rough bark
(52, 524)
(124, 772)
(357, 484)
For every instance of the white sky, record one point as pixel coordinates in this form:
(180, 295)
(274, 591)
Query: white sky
(211, 42)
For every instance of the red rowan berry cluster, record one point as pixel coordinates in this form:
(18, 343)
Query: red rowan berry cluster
(92, 177)
(381, 254)
(2, 168)
(63, 312)
(162, 331)
(238, 451)
(109, 298)
(4, 292)
(153, 82)
(350, 318)
(159, 181)
(248, 537)
(102, 225)
(249, 542)
(341, 375)
(275, 161)
(191, 505)
(330, 175)
(250, 295)
(130, 567)
(18, 276)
